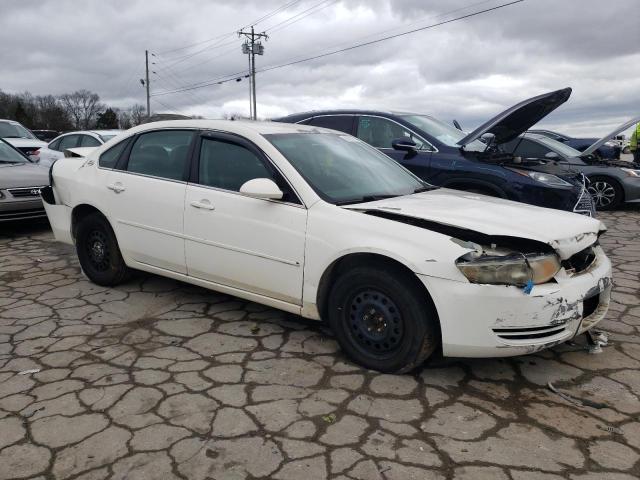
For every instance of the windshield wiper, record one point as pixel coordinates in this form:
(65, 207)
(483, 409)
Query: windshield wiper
(426, 188)
(366, 198)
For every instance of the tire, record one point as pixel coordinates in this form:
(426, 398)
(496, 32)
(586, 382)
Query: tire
(98, 252)
(626, 150)
(606, 192)
(382, 320)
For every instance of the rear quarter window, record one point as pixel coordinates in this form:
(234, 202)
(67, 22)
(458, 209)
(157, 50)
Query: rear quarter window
(109, 158)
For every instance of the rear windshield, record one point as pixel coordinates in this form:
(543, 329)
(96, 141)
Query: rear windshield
(14, 130)
(9, 155)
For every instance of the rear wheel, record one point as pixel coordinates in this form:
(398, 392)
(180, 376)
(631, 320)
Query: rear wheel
(626, 150)
(382, 320)
(607, 194)
(98, 251)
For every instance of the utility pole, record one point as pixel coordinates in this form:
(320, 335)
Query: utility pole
(146, 68)
(252, 48)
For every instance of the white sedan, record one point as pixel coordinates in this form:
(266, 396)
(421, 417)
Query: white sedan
(87, 138)
(318, 223)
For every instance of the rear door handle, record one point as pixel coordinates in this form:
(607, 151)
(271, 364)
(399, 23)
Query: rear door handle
(116, 187)
(204, 204)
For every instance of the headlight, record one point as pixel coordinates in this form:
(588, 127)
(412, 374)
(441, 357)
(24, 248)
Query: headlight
(631, 172)
(610, 144)
(511, 269)
(541, 177)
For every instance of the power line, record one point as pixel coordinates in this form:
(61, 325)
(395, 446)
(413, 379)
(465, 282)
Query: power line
(296, 18)
(227, 78)
(228, 34)
(390, 37)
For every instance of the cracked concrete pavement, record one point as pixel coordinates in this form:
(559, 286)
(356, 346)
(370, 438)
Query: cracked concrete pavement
(160, 380)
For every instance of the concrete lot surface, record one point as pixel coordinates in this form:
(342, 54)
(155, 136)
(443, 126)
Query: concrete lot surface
(160, 380)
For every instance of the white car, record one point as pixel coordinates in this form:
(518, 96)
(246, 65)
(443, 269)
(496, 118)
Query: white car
(20, 137)
(320, 224)
(88, 138)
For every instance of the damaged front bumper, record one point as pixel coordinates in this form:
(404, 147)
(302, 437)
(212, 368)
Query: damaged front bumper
(498, 321)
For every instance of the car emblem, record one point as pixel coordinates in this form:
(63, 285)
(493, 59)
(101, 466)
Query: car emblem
(35, 191)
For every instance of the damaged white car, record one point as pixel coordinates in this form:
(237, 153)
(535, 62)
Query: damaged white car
(320, 224)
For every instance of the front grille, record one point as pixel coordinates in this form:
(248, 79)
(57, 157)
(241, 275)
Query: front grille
(580, 261)
(22, 214)
(529, 333)
(25, 192)
(585, 205)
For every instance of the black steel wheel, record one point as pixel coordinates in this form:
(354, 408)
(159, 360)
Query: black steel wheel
(98, 251)
(382, 318)
(606, 192)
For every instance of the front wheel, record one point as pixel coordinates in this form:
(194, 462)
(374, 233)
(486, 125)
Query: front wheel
(607, 194)
(98, 251)
(626, 150)
(382, 319)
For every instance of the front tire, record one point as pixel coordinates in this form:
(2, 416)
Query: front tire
(98, 252)
(607, 194)
(626, 150)
(382, 319)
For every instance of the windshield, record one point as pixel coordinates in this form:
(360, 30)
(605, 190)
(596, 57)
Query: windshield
(342, 169)
(14, 130)
(563, 149)
(447, 134)
(106, 138)
(9, 155)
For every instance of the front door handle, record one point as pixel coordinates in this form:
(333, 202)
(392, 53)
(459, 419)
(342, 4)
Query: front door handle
(204, 204)
(116, 187)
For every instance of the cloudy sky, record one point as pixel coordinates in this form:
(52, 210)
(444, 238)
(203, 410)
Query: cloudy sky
(469, 69)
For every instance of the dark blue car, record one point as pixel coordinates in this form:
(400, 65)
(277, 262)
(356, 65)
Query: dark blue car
(444, 156)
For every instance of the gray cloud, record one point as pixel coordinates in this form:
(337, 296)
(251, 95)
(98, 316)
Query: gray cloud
(468, 70)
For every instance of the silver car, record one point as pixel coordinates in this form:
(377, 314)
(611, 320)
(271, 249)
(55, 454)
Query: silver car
(20, 184)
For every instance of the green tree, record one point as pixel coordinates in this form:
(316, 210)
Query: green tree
(107, 120)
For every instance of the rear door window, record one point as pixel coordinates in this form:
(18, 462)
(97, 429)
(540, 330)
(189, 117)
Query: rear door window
(161, 154)
(89, 141)
(342, 123)
(70, 141)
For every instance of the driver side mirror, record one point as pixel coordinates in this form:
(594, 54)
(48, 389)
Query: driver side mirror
(404, 144)
(263, 188)
(552, 155)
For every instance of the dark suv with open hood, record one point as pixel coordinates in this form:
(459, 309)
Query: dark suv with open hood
(447, 157)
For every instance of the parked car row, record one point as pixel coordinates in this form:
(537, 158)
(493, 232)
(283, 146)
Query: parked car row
(322, 224)
(501, 158)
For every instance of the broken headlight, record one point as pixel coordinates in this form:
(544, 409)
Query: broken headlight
(513, 269)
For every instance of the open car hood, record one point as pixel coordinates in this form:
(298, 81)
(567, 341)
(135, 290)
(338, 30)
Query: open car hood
(609, 136)
(515, 120)
(567, 233)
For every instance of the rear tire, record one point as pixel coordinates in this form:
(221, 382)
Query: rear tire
(626, 150)
(98, 252)
(382, 319)
(607, 194)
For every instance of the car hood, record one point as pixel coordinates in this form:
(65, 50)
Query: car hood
(567, 233)
(609, 136)
(25, 142)
(23, 175)
(515, 120)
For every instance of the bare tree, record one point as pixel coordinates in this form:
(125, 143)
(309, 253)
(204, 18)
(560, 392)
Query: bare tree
(82, 106)
(137, 114)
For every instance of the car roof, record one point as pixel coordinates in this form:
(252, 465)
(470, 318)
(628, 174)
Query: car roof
(235, 126)
(9, 121)
(345, 111)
